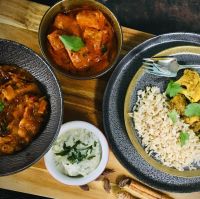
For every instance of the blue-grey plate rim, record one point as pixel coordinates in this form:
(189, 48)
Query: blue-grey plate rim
(113, 117)
(19, 157)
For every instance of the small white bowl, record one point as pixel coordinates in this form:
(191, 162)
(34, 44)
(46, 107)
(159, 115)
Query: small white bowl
(50, 162)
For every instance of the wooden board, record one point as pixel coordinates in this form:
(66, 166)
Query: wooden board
(19, 21)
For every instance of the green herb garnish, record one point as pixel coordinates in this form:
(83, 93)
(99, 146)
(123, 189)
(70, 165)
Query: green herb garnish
(1, 106)
(89, 148)
(73, 43)
(173, 88)
(184, 137)
(76, 155)
(3, 128)
(173, 115)
(64, 152)
(104, 49)
(67, 149)
(192, 109)
(89, 158)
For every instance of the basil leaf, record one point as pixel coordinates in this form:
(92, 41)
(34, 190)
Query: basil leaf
(73, 43)
(184, 137)
(192, 109)
(173, 115)
(1, 106)
(173, 88)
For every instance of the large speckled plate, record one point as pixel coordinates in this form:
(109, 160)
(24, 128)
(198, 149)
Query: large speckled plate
(128, 74)
(184, 54)
(12, 53)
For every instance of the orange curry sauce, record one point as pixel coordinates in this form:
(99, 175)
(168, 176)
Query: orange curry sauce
(97, 34)
(23, 109)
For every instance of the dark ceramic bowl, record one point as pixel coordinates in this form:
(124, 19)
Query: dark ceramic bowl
(12, 53)
(67, 5)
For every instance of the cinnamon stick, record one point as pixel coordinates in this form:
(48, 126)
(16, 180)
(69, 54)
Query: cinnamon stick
(140, 190)
(124, 195)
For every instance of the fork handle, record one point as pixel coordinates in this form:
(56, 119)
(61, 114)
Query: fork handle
(189, 66)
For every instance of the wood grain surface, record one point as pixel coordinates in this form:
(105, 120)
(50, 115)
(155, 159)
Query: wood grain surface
(19, 21)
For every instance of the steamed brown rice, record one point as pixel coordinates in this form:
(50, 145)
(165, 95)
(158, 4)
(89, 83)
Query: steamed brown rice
(160, 135)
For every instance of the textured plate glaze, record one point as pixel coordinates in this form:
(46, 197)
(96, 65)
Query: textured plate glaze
(12, 53)
(113, 110)
(141, 79)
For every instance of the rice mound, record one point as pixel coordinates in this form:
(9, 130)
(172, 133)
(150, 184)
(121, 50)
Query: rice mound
(160, 135)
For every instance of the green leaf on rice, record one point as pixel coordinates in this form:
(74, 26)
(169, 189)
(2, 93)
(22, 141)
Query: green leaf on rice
(173, 115)
(184, 137)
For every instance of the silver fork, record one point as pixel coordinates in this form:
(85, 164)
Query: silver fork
(165, 66)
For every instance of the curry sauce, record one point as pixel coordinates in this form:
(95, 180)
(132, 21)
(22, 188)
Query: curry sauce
(95, 31)
(23, 108)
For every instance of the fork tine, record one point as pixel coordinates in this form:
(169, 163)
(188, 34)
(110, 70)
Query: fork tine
(148, 68)
(148, 64)
(154, 72)
(153, 65)
(148, 60)
(158, 68)
(169, 56)
(159, 74)
(153, 69)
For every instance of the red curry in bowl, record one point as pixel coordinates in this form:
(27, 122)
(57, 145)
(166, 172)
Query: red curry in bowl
(23, 109)
(82, 42)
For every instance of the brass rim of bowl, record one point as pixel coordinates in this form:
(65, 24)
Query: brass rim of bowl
(69, 5)
(129, 121)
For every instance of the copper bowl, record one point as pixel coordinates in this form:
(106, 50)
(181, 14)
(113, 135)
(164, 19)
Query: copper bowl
(68, 5)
